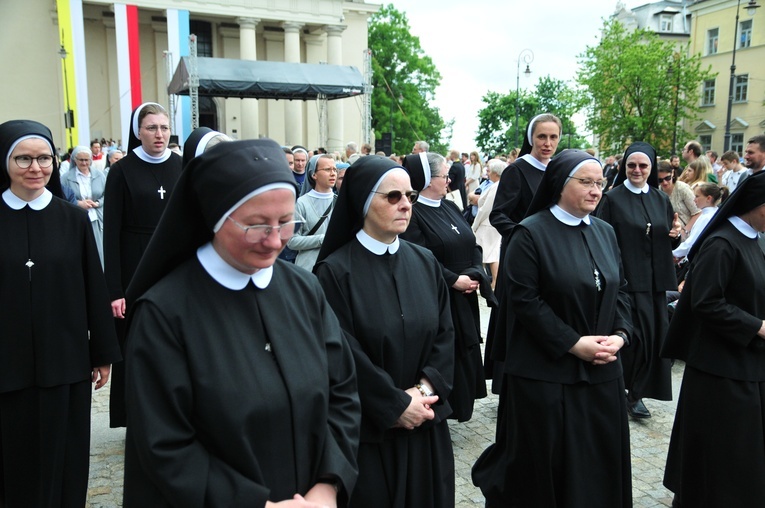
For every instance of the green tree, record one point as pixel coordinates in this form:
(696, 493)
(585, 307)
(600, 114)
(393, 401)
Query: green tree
(404, 81)
(639, 88)
(496, 121)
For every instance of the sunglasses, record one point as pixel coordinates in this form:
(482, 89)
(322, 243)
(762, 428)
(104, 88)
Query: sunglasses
(395, 196)
(667, 179)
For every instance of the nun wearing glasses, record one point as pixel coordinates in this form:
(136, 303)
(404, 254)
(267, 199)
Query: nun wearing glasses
(229, 403)
(393, 304)
(565, 438)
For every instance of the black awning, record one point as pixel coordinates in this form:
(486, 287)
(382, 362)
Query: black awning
(224, 77)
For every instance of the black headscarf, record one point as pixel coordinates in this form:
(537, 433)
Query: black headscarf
(748, 195)
(211, 184)
(348, 215)
(557, 172)
(418, 167)
(12, 131)
(639, 146)
(192, 142)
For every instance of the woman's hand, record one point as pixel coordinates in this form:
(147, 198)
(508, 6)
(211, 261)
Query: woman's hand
(677, 227)
(419, 410)
(597, 349)
(465, 284)
(323, 494)
(100, 375)
(761, 333)
(297, 501)
(118, 308)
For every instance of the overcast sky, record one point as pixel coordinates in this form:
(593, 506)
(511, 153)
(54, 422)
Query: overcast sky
(475, 46)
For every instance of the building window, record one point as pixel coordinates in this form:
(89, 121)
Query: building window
(713, 37)
(737, 143)
(708, 95)
(203, 31)
(741, 88)
(705, 140)
(665, 23)
(745, 27)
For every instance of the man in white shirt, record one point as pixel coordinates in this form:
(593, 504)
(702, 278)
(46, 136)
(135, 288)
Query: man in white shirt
(733, 170)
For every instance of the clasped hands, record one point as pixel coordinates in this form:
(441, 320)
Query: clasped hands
(597, 349)
(418, 411)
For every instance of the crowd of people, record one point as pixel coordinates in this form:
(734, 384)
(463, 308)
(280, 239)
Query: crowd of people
(287, 327)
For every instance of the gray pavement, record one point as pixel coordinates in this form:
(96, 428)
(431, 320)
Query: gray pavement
(649, 439)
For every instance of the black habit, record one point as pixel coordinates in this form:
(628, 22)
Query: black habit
(564, 437)
(716, 453)
(57, 327)
(231, 403)
(457, 177)
(515, 190)
(444, 232)
(136, 195)
(642, 222)
(395, 312)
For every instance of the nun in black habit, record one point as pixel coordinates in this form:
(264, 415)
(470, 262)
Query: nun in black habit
(515, 191)
(230, 402)
(200, 140)
(58, 334)
(647, 230)
(137, 189)
(565, 439)
(717, 450)
(438, 225)
(393, 304)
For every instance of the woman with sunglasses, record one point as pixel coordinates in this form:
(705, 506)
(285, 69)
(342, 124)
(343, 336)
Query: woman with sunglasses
(230, 401)
(393, 304)
(681, 197)
(565, 438)
(647, 230)
(439, 226)
(57, 338)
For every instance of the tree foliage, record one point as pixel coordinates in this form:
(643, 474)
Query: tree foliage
(496, 121)
(639, 88)
(404, 81)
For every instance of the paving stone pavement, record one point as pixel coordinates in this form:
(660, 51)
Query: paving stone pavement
(649, 439)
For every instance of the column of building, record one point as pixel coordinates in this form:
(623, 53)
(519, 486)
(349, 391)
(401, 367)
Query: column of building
(248, 51)
(293, 119)
(336, 114)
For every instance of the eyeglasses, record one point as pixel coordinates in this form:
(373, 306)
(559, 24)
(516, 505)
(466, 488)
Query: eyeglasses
(667, 179)
(642, 165)
(259, 232)
(82, 160)
(328, 170)
(592, 184)
(445, 177)
(154, 128)
(395, 196)
(25, 161)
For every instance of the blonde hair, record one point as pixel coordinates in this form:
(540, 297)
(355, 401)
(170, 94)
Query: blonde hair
(701, 169)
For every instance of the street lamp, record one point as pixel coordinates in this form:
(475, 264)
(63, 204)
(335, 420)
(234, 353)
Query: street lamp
(751, 7)
(526, 56)
(68, 116)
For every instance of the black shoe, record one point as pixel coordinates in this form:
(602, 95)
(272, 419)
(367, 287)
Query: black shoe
(636, 409)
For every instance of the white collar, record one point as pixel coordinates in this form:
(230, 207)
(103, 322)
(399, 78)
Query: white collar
(83, 175)
(321, 195)
(37, 203)
(228, 276)
(744, 228)
(567, 218)
(141, 153)
(534, 161)
(376, 246)
(428, 202)
(631, 187)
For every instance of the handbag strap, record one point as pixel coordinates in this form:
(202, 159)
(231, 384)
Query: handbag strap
(322, 218)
